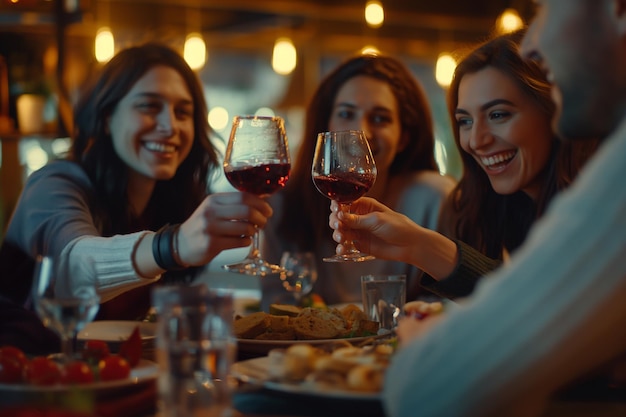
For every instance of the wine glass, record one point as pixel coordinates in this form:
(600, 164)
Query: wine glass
(300, 273)
(257, 161)
(344, 170)
(65, 308)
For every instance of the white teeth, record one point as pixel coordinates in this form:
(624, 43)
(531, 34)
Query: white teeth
(159, 147)
(497, 159)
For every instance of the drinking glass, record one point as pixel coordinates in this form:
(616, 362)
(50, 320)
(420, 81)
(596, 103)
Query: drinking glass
(344, 170)
(65, 308)
(257, 161)
(300, 273)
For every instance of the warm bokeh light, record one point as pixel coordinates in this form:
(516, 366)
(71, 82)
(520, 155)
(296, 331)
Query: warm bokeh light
(444, 71)
(374, 13)
(105, 45)
(195, 51)
(285, 57)
(218, 118)
(509, 21)
(370, 50)
(264, 111)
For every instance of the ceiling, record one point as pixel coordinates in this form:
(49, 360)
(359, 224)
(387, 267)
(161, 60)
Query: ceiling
(419, 28)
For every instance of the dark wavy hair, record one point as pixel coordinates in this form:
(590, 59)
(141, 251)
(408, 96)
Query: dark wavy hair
(474, 212)
(305, 212)
(173, 200)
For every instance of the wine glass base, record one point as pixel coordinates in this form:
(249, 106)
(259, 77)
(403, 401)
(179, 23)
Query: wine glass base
(350, 257)
(256, 267)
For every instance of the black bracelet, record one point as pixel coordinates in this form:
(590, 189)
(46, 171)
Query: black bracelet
(162, 248)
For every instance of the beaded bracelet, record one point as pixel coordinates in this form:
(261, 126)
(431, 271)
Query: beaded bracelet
(163, 248)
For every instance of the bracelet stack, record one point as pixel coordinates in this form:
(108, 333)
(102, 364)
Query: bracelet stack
(165, 248)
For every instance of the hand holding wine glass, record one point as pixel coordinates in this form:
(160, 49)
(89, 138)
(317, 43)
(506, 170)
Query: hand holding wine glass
(344, 170)
(300, 273)
(257, 161)
(65, 305)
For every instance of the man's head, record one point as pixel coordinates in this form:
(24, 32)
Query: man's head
(581, 44)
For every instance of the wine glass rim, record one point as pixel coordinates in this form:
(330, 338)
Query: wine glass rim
(255, 117)
(335, 132)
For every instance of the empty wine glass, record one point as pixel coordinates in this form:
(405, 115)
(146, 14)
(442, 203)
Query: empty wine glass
(257, 161)
(65, 308)
(344, 170)
(300, 273)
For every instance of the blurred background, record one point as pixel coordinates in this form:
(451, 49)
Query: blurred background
(253, 57)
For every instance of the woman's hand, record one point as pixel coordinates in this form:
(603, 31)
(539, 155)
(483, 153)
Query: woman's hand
(222, 221)
(375, 229)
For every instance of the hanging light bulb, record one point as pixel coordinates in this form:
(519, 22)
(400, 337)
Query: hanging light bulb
(104, 45)
(509, 21)
(195, 51)
(374, 13)
(444, 71)
(285, 57)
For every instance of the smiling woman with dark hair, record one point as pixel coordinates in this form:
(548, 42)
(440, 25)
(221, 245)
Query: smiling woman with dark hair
(379, 95)
(133, 193)
(513, 165)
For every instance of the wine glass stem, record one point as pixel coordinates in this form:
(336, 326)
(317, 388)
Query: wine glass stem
(348, 244)
(67, 347)
(254, 248)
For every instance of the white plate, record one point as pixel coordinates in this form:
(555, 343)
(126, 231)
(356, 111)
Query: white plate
(145, 371)
(264, 346)
(116, 331)
(255, 371)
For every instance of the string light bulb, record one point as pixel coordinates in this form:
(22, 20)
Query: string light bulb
(195, 51)
(444, 70)
(374, 13)
(284, 57)
(509, 21)
(104, 45)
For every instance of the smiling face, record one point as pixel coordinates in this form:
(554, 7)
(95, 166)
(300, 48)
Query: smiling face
(368, 104)
(504, 130)
(152, 125)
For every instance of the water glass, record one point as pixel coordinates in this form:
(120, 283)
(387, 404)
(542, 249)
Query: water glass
(300, 273)
(383, 299)
(195, 349)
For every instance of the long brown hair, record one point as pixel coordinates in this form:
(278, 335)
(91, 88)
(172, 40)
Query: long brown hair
(173, 200)
(474, 212)
(305, 210)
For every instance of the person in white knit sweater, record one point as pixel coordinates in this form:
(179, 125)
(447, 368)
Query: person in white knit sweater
(133, 193)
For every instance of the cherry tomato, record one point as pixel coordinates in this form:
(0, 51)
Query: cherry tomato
(113, 367)
(10, 370)
(14, 352)
(42, 371)
(95, 350)
(77, 372)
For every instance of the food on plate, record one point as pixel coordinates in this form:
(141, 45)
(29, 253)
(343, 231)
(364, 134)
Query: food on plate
(422, 309)
(347, 367)
(305, 324)
(94, 351)
(131, 349)
(95, 363)
(113, 367)
(42, 371)
(285, 310)
(76, 373)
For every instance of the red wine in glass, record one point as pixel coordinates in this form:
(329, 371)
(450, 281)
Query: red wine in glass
(344, 187)
(343, 170)
(257, 161)
(261, 179)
